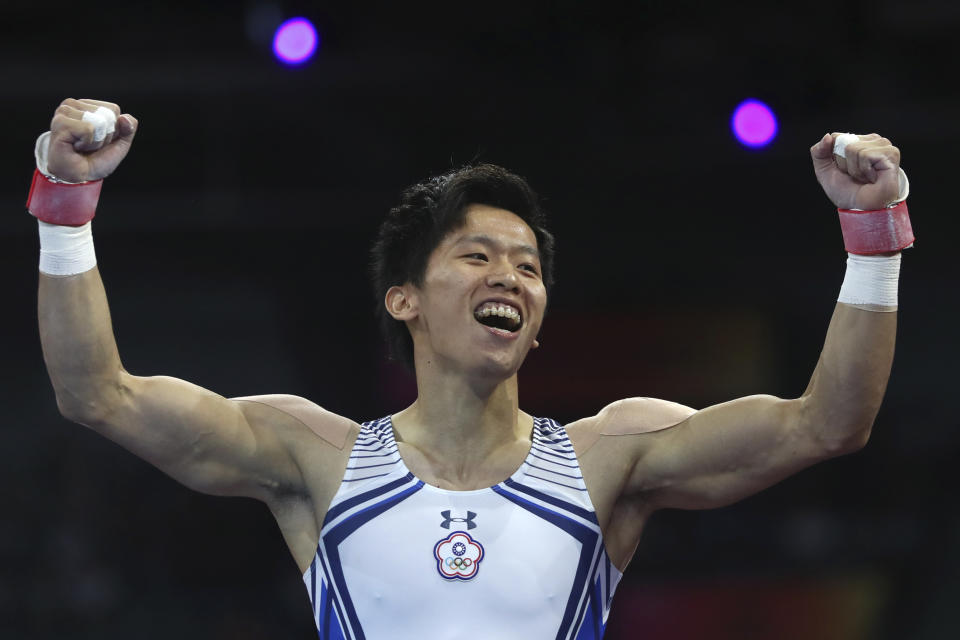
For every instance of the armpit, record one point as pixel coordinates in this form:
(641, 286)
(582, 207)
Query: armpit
(329, 426)
(629, 417)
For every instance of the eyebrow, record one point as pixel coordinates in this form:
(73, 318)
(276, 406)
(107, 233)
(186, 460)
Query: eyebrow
(490, 242)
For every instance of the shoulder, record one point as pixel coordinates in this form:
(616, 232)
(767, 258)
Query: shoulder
(319, 443)
(630, 416)
(297, 412)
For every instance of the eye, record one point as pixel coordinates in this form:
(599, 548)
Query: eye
(477, 256)
(529, 267)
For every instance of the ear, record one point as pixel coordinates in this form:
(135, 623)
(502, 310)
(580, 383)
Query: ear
(401, 302)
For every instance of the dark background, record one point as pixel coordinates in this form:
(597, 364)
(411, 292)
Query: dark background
(233, 244)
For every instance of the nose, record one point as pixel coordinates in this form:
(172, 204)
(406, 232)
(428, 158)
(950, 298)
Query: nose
(502, 275)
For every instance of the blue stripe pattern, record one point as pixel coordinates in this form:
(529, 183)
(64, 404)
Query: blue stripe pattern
(589, 556)
(548, 485)
(331, 540)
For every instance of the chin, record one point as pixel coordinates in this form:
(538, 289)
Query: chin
(501, 365)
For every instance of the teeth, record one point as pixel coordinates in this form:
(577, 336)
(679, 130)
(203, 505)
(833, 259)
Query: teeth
(495, 309)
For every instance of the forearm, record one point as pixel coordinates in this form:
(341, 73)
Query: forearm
(78, 344)
(848, 384)
(862, 176)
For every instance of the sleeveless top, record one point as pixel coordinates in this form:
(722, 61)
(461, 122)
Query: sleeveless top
(398, 558)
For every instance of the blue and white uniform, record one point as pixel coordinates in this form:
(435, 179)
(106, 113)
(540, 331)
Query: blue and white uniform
(399, 558)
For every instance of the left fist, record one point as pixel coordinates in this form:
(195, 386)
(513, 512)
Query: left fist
(867, 178)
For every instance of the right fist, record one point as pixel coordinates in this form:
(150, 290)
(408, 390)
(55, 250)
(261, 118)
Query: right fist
(74, 155)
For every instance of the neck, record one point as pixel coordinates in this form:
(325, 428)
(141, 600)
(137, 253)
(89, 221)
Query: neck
(462, 423)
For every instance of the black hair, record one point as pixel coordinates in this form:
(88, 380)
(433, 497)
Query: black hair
(430, 210)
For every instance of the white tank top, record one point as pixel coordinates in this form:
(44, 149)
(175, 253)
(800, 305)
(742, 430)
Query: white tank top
(399, 558)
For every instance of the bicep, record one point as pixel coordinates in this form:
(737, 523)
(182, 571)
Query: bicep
(724, 453)
(197, 437)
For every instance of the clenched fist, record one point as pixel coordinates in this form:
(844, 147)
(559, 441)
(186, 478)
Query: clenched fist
(74, 155)
(867, 178)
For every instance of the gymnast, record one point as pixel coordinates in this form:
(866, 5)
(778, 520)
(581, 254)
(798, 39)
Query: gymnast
(462, 503)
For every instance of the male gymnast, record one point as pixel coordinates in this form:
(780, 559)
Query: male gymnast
(462, 501)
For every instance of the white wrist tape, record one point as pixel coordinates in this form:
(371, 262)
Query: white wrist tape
(66, 251)
(871, 280)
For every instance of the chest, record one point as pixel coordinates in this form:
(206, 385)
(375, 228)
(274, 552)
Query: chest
(433, 558)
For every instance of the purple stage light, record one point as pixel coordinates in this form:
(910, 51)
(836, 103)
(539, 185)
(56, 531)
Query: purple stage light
(754, 124)
(295, 41)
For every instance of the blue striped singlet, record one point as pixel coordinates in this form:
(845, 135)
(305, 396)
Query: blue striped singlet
(398, 558)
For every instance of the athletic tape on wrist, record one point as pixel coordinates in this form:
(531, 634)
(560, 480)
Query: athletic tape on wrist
(871, 281)
(66, 251)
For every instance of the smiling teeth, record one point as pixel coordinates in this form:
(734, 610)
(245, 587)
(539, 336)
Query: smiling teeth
(504, 311)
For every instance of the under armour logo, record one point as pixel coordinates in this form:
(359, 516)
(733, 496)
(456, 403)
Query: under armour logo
(469, 520)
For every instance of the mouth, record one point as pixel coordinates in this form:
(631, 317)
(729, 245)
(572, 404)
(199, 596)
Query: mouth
(499, 315)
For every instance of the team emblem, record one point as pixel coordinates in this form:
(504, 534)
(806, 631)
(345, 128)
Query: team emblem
(458, 556)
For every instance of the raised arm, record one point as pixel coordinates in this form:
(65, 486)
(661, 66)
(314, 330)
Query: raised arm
(201, 439)
(726, 452)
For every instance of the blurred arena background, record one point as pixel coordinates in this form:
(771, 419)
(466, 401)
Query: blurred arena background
(233, 243)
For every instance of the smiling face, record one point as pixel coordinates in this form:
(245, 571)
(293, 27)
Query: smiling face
(482, 299)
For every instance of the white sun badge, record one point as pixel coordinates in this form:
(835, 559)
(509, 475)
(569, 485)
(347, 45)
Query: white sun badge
(458, 556)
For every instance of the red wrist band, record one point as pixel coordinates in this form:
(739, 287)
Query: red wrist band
(63, 203)
(878, 231)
